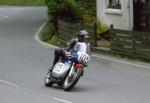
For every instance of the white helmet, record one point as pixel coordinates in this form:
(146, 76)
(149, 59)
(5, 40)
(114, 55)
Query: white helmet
(84, 33)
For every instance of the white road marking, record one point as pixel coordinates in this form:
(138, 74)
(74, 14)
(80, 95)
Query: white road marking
(37, 37)
(8, 83)
(120, 61)
(5, 17)
(2, 65)
(62, 100)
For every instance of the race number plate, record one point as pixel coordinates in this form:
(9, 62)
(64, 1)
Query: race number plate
(83, 57)
(58, 67)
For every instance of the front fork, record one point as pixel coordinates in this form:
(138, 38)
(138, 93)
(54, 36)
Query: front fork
(76, 66)
(71, 73)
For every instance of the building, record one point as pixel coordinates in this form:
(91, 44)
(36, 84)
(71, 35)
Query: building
(125, 14)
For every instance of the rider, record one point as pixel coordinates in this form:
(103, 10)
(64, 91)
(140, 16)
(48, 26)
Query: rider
(83, 36)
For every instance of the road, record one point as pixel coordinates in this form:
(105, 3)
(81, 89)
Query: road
(24, 62)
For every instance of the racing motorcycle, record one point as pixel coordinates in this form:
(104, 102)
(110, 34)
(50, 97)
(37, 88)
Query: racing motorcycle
(68, 70)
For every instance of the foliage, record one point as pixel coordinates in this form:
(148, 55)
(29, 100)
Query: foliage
(101, 28)
(23, 2)
(46, 35)
(79, 11)
(54, 40)
(83, 11)
(63, 8)
(88, 8)
(46, 31)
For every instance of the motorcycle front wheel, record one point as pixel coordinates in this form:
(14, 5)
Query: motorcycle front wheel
(48, 80)
(71, 80)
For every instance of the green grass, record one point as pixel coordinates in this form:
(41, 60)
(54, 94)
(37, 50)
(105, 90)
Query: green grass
(46, 36)
(23, 2)
(46, 32)
(54, 40)
(101, 28)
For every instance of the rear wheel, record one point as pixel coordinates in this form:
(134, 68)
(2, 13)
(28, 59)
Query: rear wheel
(71, 80)
(48, 80)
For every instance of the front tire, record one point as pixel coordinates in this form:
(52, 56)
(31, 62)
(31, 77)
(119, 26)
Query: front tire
(48, 80)
(71, 81)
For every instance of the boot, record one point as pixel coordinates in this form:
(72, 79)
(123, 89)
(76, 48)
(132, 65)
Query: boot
(51, 67)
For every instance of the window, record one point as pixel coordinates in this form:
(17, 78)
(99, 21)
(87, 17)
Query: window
(114, 4)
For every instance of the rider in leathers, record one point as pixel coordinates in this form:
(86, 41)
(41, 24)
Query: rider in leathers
(83, 36)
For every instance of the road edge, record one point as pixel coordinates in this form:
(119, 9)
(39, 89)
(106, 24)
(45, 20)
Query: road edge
(38, 34)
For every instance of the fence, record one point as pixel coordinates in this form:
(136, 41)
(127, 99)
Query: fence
(129, 43)
(132, 43)
(68, 31)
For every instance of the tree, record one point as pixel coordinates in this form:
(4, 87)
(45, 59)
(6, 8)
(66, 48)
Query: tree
(66, 9)
(63, 9)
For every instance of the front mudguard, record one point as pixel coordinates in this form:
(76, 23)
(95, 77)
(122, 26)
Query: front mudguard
(70, 81)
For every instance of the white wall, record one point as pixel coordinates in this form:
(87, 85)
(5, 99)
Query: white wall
(120, 18)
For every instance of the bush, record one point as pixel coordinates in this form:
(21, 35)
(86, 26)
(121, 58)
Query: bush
(88, 8)
(75, 11)
(103, 31)
(101, 28)
(83, 11)
(63, 9)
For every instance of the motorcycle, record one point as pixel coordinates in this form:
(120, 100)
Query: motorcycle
(68, 70)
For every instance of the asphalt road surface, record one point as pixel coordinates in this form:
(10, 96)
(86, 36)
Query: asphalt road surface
(24, 62)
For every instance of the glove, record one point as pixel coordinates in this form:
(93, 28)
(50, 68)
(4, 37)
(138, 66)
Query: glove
(68, 54)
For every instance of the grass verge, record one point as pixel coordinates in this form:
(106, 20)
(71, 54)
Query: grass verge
(23, 2)
(46, 36)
